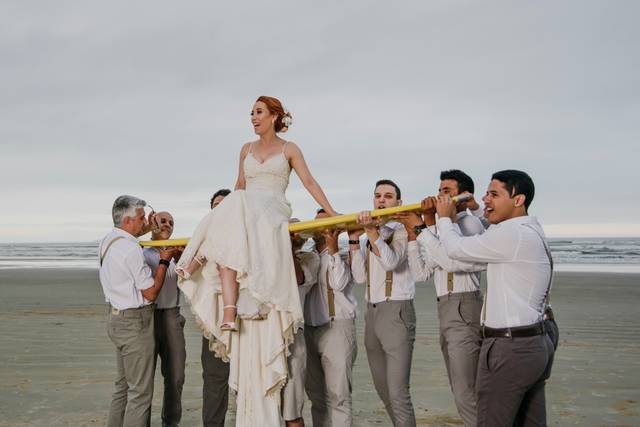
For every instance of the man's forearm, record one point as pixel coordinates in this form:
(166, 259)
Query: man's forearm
(152, 293)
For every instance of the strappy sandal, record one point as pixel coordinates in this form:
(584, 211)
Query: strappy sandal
(229, 326)
(184, 274)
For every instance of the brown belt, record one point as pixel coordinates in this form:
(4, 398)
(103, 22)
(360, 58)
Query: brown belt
(517, 332)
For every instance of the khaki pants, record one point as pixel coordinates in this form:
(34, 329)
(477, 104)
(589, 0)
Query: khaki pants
(170, 346)
(389, 335)
(131, 331)
(293, 391)
(460, 341)
(331, 353)
(215, 387)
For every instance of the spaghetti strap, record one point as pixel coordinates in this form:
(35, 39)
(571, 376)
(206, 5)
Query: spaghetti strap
(284, 146)
(250, 147)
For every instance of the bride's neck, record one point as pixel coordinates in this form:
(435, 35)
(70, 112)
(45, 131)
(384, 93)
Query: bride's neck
(268, 139)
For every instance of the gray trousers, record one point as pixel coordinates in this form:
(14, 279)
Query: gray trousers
(131, 331)
(511, 378)
(331, 353)
(293, 391)
(215, 387)
(170, 346)
(389, 335)
(460, 341)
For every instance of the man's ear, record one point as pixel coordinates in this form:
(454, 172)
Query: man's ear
(399, 202)
(519, 200)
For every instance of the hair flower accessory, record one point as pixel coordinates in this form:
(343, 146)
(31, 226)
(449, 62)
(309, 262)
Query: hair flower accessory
(287, 119)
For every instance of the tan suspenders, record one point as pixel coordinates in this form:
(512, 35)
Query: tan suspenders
(388, 280)
(104, 254)
(450, 283)
(331, 297)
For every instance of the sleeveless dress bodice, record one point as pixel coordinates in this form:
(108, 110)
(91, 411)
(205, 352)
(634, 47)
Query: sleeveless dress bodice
(272, 175)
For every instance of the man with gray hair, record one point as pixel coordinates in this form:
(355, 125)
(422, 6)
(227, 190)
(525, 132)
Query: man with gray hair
(130, 290)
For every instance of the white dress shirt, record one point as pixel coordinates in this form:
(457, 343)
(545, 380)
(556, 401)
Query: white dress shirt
(427, 257)
(393, 257)
(310, 264)
(169, 296)
(518, 269)
(124, 272)
(316, 309)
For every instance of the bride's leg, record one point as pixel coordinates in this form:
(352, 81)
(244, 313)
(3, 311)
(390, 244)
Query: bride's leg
(229, 295)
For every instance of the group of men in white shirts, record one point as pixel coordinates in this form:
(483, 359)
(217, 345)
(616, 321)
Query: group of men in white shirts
(497, 350)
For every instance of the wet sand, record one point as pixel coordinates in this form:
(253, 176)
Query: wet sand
(57, 363)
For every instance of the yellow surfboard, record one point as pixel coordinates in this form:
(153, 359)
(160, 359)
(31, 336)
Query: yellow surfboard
(306, 228)
(165, 243)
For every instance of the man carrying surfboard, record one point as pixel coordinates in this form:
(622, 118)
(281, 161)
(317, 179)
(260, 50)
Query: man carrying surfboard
(380, 261)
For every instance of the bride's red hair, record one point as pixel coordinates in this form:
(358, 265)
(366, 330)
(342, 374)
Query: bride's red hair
(275, 107)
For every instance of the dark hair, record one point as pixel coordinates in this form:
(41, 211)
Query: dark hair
(222, 192)
(391, 183)
(465, 183)
(275, 107)
(516, 182)
(320, 210)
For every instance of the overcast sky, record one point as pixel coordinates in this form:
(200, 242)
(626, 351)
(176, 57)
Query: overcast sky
(153, 98)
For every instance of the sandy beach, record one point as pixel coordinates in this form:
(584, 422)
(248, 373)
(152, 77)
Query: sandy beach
(57, 363)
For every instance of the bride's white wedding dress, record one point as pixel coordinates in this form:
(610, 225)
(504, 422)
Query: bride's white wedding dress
(248, 232)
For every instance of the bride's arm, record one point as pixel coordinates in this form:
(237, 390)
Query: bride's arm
(240, 182)
(296, 159)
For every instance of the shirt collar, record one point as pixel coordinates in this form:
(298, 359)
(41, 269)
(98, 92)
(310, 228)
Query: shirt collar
(125, 234)
(520, 220)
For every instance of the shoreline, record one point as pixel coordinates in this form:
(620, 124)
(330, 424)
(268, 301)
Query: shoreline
(84, 265)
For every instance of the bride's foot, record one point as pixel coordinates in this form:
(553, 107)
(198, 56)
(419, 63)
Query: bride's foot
(230, 312)
(185, 272)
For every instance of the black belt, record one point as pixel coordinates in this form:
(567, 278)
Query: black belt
(517, 332)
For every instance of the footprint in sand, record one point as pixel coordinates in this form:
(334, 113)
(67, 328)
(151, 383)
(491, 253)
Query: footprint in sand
(628, 408)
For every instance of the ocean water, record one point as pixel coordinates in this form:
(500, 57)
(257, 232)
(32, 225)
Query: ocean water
(580, 254)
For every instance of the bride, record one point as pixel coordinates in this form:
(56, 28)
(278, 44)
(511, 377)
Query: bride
(238, 263)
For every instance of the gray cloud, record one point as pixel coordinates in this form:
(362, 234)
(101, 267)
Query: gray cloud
(152, 98)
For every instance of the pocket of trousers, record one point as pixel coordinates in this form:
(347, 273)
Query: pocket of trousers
(407, 316)
(181, 320)
(487, 356)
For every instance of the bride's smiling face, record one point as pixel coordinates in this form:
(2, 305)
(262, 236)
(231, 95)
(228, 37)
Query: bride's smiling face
(261, 118)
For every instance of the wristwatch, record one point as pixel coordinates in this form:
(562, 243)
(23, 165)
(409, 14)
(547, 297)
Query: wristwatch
(418, 229)
(165, 262)
(354, 242)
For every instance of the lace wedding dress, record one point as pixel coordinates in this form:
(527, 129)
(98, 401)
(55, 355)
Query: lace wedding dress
(248, 232)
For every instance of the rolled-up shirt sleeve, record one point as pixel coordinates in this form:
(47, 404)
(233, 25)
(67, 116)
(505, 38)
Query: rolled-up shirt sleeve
(393, 254)
(419, 269)
(491, 246)
(140, 271)
(340, 274)
(310, 264)
(357, 265)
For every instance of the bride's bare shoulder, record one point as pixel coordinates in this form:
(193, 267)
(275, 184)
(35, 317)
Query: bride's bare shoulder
(246, 148)
(291, 147)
